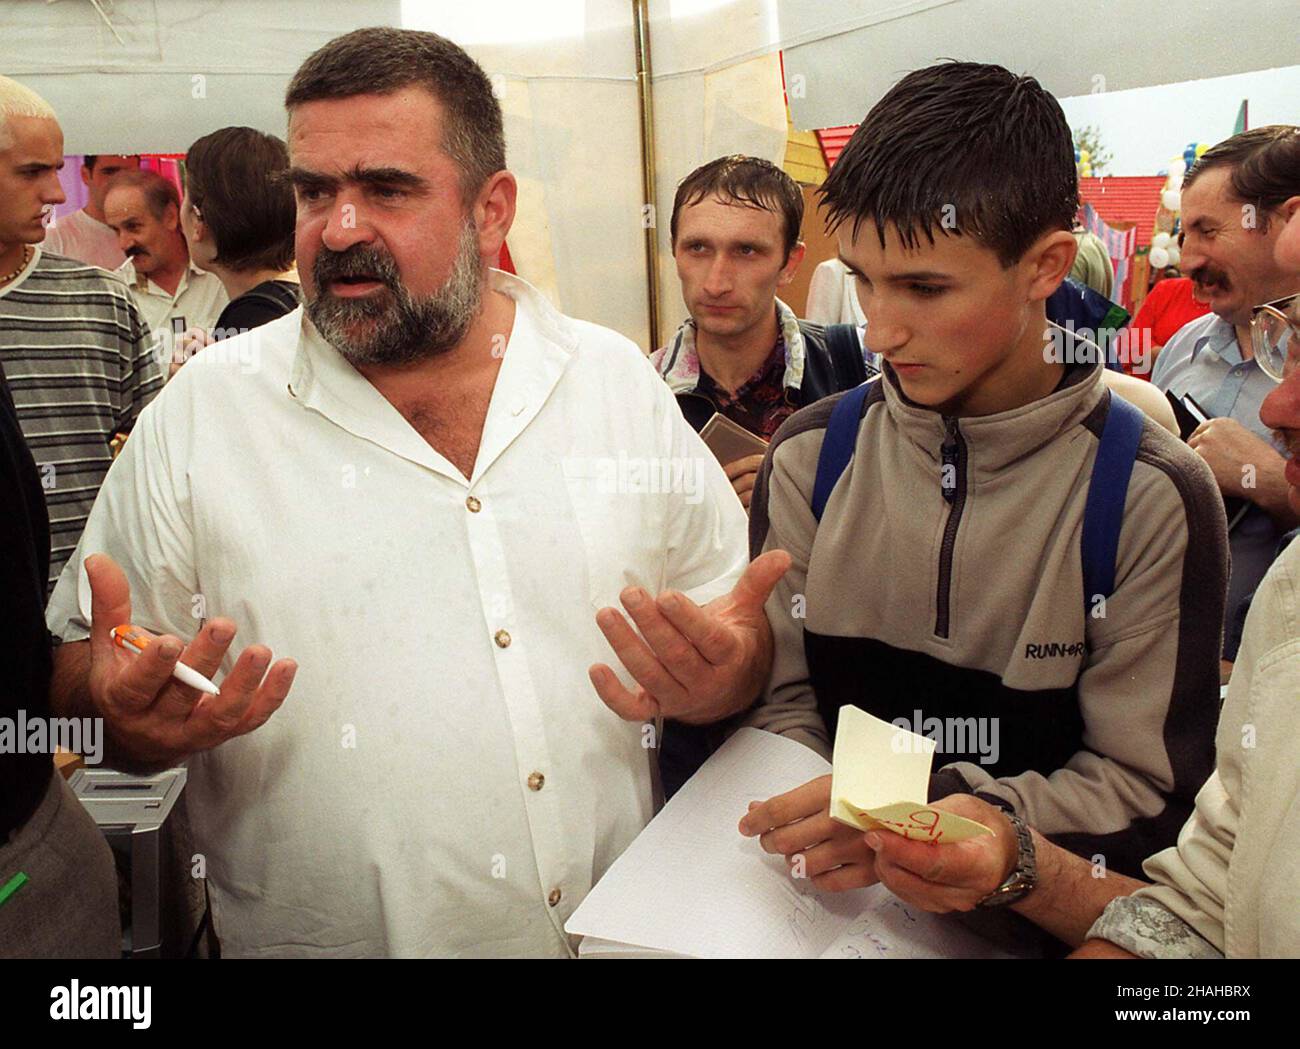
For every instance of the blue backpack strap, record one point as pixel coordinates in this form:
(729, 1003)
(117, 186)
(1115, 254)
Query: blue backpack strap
(1103, 513)
(837, 445)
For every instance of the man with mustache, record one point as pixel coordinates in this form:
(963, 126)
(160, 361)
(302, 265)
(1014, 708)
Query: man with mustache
(173, 294)
(423, 493)
(1230, 230)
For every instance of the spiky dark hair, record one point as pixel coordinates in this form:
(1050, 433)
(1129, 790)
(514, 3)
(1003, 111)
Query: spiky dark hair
(973, 143)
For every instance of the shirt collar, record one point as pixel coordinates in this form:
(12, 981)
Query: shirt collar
(1221, 338)
(541, 343)
(678, 363)
(996, 442)
(144, 284)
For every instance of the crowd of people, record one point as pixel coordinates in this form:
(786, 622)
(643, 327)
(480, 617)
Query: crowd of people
(387, 464)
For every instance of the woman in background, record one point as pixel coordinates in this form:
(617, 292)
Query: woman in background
(238, 216)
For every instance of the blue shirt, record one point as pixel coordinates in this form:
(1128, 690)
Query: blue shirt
(1202, 358)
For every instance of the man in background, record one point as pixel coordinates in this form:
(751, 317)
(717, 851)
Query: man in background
(173, 294)
(85, 235)
(742, 352)
(66, 901)
(1230, 228)
(72, 343)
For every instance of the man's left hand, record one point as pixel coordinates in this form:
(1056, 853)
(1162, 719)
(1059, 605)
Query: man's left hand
(1230, 450)
(697, 665)
(955, 877)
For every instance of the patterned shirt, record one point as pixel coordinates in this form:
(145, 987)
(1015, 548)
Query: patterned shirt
(760, 405)
(80, 366)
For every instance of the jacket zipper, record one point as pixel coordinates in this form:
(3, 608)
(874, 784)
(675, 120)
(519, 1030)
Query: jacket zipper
(952, 481)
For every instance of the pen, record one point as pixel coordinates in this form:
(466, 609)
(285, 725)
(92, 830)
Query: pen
(133, 639)
(12, 886)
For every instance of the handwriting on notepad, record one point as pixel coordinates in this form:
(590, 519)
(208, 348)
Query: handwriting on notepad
(921, 825)
(805, 913)
(865, 937)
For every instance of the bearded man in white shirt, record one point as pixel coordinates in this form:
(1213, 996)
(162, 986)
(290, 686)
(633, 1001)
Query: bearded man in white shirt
(421, 489)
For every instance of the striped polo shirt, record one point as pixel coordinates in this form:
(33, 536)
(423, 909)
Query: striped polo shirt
(79, 362)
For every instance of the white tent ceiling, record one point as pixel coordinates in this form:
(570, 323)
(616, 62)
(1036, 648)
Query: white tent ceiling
(141, 94)
(566, 77)
(851, 51)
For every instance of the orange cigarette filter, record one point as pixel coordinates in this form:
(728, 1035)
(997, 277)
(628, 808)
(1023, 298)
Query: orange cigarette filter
(132, 637)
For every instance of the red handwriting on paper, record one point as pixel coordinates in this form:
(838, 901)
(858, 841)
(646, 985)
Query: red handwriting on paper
(926, 823)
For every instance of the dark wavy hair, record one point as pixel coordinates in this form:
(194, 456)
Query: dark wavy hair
(1265, 163)
(751, 181)
(380, 60)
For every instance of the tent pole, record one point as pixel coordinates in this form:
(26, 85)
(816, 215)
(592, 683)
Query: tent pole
(641, 17)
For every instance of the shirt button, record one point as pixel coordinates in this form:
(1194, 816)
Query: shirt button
(473, 504)
(502, 639)
(535, 781)
(554, 897)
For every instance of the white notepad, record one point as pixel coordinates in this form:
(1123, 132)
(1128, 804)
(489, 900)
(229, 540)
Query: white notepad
(691, 886)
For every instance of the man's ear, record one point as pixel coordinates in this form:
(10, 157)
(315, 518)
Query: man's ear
(85, 175)
(1048, 262)
(791, 264)
(494, 213)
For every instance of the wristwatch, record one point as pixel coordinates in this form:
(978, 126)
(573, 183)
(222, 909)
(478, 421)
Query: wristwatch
(1021, 881)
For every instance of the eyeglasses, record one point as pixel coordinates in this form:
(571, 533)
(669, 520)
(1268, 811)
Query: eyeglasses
(1275, 336)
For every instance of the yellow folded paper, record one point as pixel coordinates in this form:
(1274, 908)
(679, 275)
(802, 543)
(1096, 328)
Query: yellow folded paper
(878, 766)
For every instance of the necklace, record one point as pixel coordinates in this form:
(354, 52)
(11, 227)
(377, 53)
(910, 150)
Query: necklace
(27, 257)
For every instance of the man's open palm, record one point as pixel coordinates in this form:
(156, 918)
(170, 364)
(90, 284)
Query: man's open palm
(695, 664)
(150, 716)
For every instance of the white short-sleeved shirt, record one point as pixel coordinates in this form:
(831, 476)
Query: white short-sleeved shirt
(197, 302)
(833, 296)
(443, 779)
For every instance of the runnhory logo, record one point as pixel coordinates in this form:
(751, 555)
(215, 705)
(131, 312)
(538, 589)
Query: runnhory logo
(1054, 650)
(102, 1003)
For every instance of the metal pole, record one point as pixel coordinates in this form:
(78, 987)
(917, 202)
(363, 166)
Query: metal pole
(641, 17)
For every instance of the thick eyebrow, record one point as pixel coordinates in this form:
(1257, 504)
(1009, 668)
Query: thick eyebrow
(300, 178)
(709, 240)
(907, 277)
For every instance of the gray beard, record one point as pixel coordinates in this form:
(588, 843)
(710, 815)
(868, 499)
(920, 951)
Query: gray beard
(396, 328)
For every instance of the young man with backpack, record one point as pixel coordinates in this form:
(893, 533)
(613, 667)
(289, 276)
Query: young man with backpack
(987, 545)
